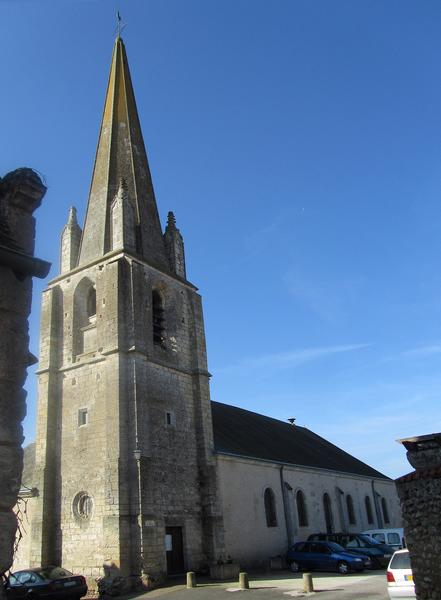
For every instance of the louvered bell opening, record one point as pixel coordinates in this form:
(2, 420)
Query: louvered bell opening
(158, 319)
(158, 329)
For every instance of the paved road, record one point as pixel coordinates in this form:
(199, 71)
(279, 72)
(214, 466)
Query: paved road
(370, 586)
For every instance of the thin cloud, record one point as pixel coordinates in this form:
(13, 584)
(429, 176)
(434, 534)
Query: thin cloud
(361, 425)
(254, 244)
(327, 298)
(291, 359)
(423, 351)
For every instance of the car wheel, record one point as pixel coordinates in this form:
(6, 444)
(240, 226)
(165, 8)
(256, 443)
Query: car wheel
(294, 566)
(343, 568)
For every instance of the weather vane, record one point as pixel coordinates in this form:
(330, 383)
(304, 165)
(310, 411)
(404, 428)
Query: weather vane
(119, 24)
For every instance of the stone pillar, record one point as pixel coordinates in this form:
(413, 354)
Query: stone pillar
(21, 193)
(420, 497)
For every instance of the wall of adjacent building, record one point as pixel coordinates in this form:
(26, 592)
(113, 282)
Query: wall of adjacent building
(21, 192)
(248, 539)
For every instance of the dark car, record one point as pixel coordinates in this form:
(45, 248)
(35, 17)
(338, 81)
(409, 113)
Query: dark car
(325, 556)
(379, 554)
(45, 582)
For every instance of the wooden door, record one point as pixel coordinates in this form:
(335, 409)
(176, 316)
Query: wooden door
(174, 549)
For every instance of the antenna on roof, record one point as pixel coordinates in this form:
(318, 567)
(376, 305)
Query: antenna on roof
(291, 420)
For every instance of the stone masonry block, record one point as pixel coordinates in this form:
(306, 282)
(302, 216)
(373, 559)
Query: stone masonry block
(11, 466)
(8, 527)
(12, 412)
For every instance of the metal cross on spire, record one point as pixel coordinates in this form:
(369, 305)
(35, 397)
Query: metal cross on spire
(119, 24)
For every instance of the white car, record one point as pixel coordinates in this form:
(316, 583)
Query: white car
(399, 576)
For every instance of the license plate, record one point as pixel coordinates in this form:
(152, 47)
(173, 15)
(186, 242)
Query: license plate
(408, 578)
(69, 583)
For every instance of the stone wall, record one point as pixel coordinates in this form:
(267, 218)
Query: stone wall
(21, 193)
(420, 496)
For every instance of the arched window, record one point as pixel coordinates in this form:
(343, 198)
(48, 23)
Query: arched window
(350, 507)
(301, 509)
(84, 318)
(91, 303)
(385, 511)
(158, 318)
(328, 512)
(367, 503)
(270, 508)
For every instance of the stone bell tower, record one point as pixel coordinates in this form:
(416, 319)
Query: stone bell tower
(124, 454)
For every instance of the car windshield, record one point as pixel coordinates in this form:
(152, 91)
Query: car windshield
(53, 572)
(400, 560)
(336, 547)
(368, 540)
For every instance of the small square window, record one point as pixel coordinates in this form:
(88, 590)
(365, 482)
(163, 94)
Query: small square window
(83, 417)
(169, 418)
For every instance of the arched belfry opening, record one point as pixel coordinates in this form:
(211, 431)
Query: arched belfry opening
(158, 319)
(84, 320)
(91, 303)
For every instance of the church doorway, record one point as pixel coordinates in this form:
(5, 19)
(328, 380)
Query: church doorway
(174, 549)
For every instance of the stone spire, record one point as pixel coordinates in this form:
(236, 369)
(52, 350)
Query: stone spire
(70, 242)
(121, 155)
(174, 245)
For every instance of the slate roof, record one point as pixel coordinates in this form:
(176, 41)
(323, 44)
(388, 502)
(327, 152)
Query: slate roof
(244, 433)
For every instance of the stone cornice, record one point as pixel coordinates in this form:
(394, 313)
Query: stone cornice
(112, 257)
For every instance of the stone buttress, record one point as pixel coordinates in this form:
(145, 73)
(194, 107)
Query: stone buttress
(124, 456)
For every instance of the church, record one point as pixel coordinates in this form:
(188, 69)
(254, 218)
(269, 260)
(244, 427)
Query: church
(137, 472)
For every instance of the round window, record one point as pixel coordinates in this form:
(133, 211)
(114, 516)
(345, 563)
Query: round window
(83, 506)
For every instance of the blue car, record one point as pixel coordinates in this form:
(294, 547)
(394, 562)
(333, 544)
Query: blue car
(325, 556)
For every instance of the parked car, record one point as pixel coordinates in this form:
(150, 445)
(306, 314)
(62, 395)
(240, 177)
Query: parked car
(392, 537)
(325, 556)
(45, 583)
(399, 576)
(380, 554)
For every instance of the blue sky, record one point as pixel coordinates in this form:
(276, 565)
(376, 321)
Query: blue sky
(298, 143)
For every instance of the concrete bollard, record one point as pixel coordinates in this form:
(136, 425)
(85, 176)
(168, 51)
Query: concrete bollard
(244, 583)
(191, 580)
(308, 585)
